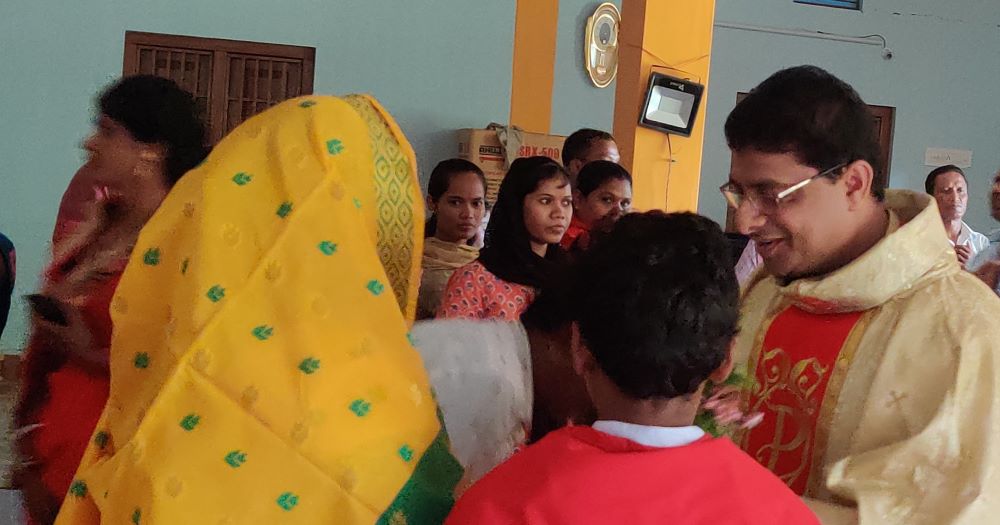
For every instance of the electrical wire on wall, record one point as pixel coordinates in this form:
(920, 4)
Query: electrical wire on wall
(662, 65)
(887, 52)
(670, 157)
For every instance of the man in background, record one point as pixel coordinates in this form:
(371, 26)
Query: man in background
(585, 146)
(950, 189)
(986, 264)
(8, 272)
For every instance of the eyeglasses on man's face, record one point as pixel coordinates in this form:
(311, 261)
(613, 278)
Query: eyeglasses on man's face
(768, 201)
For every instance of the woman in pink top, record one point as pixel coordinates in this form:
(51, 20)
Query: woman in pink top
(522, 253)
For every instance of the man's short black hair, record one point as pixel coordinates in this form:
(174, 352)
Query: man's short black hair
(812, 114)
(657, 303)
(577, 144)
(941, 170)
(596, 173)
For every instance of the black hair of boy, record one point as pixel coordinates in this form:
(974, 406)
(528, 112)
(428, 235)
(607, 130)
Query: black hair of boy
(657, 303)
(598, 172)
(937, 172)
(812, 114)
(578, 144)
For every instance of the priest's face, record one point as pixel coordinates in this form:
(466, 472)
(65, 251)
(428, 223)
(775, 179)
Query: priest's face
(802, 233)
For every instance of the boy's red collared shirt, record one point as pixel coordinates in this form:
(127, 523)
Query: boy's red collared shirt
(579, 475)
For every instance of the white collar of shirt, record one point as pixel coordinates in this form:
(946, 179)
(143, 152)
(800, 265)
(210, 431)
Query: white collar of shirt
(660, 437)
(964, 235)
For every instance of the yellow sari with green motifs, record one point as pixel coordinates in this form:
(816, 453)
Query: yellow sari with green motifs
(261, 365)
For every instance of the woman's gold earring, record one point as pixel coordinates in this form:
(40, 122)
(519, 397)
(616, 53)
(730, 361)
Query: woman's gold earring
(149, 156)
(147, 165)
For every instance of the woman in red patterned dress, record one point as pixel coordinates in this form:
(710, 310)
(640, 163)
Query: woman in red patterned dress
(148, 134)
(522, 253)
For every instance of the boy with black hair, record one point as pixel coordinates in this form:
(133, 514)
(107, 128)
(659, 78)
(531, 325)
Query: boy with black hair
(602, 195)
(655, 313)
(585, 146)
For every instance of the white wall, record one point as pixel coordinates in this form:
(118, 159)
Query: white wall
(944, 80)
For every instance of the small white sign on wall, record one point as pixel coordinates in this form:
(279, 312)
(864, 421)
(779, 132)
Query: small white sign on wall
(944, 156)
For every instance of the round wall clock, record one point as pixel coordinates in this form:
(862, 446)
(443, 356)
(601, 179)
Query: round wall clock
(600, 46)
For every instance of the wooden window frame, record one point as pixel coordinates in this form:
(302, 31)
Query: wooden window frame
(221, 49)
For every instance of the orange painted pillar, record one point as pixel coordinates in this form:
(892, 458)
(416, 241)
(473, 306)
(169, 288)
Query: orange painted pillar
(535, 26)
(672, 37)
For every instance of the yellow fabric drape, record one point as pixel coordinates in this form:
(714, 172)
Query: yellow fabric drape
(912, 437)
(261, 368)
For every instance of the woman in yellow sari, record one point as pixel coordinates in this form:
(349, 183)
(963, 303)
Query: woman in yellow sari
(261, 366)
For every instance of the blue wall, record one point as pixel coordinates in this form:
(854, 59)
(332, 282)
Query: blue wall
(942, 81)
(437, 67)
(576, 103)
(447, 64)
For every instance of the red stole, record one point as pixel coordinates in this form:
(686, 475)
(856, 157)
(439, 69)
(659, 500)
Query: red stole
(798, 371)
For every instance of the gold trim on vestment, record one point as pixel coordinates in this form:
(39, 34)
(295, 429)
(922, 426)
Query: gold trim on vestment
(817, 476)
(755, 351)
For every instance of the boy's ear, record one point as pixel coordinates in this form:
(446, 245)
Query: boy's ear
(722, 373)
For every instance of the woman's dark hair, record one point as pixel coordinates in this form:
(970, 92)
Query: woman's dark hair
(507, 252)
(811, 114)
(657, 303)
(156, 110)
(941, 170)
(440, 181)
(595, 174)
